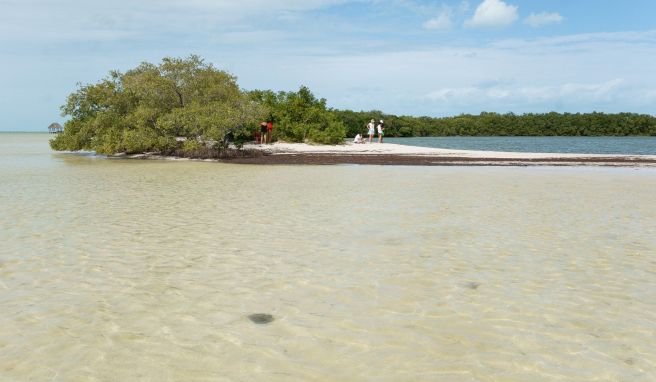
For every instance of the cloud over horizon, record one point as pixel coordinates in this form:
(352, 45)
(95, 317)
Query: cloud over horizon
(443, 21)
(566, 93)
(493, 13)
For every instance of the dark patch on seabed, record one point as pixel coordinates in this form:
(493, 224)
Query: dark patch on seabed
(473, 285)
(261, 318)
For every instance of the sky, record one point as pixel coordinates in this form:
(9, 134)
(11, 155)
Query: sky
(404, 57)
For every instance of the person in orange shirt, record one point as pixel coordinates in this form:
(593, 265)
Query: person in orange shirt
(269, 131)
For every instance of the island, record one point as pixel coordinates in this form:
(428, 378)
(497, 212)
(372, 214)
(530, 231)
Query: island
(187, 108)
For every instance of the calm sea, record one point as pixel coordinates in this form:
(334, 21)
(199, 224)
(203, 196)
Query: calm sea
(582, 145)
(119, 270)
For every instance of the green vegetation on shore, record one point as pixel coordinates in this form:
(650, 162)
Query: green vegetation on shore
(147, 107)
(151, 107)
(301, 117)
(495, 124)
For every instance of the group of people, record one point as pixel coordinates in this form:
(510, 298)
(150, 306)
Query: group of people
(371, 131)
(266, 132)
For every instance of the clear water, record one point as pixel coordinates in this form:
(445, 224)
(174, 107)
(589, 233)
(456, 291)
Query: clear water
(581, 145)
(148, 270)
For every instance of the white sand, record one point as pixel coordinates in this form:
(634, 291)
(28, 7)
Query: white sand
(394, 149)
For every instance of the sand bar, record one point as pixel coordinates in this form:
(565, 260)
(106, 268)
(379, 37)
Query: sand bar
(394, 154)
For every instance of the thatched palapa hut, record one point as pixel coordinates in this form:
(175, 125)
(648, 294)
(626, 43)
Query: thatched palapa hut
(55, 128)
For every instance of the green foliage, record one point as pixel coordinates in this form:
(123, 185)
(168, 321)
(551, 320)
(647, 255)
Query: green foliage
(192, 145)
(494, 124)
(301, 117)
(146, 108)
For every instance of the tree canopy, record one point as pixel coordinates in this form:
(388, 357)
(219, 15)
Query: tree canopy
(150, 107)
(146, 108)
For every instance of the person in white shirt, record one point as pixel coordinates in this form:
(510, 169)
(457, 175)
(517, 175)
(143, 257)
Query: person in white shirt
(381, 131)
(358, 138)
(371, 130)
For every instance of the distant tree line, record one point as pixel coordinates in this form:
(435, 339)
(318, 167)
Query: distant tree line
(495, 124)
(185, 106)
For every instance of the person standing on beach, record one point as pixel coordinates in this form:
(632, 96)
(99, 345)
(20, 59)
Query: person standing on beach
(263, 133)
(381, 131)
(371, 130)
(269, 131)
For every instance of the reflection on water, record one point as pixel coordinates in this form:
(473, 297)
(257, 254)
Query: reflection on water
(144, 270)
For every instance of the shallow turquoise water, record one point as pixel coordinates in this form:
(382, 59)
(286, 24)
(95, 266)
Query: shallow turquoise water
(581, 145)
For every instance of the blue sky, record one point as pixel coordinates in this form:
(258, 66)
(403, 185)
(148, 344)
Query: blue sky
(410, 57)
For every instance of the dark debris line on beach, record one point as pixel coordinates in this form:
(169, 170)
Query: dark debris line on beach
(425, 160)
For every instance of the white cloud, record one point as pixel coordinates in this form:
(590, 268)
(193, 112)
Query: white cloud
(571, 93)
(80, 20)
(443, 21)
(581, 41)
(537, 20)
(448, 16)
(493, 13)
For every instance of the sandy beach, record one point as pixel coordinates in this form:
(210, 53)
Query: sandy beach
(394, 154)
